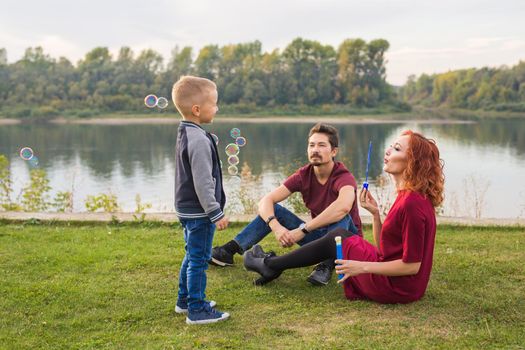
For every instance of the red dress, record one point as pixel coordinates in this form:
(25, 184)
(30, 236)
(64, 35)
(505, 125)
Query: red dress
(408, 233)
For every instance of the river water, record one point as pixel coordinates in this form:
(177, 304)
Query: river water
(484, 161)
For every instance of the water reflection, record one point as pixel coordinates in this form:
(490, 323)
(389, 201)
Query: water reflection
(131, 159)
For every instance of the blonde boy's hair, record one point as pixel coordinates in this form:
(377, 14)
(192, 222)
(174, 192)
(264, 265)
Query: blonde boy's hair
(189, 91)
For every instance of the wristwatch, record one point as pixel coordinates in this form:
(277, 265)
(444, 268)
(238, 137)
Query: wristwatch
(304, 229)
(270, 218)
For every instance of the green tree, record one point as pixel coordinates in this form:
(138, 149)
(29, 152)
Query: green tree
(311, 65)
(181, 63)
(351, 56)
(208, 62)
(4, 76)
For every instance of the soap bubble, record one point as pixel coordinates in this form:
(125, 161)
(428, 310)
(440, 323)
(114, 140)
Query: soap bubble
(235, 133)
(232, 149)
(162, 102)
(215, 138)
(33, 161)
(233, 160)
(234, 180)
(151, 101)
(26, 153)
(232, 170)
(240, 141)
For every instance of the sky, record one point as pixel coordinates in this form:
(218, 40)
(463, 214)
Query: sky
(425, 36)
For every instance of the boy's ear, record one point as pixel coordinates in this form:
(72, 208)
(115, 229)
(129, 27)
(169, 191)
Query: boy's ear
(196, 110)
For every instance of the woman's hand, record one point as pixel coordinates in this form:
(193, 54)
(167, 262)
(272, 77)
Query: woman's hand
(368, 202)
(348, 268)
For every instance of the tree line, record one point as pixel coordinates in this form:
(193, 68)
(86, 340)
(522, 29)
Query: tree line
(306, 73)
(500, 89)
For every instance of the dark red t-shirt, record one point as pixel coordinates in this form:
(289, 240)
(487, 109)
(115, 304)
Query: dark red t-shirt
(408, 233)
(318, 197)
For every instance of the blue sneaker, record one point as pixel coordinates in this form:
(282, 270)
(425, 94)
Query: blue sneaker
(206, 315)
(182, 305)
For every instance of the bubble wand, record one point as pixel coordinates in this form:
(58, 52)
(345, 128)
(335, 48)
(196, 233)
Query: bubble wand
(365, 184)
(339, 251)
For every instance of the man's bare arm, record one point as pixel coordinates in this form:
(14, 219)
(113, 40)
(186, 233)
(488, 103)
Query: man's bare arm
(335, 211)
(266, 210)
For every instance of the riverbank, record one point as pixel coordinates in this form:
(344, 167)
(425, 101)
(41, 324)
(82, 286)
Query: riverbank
(232, 119)
(417, 115)
(244, 218)
(467, 114)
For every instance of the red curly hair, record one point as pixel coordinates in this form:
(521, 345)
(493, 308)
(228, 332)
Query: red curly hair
(424, 172)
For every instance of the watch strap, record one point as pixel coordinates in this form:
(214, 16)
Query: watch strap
(304, 229)
(270, 218)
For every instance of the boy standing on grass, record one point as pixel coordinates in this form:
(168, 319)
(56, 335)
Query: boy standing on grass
(199, 195)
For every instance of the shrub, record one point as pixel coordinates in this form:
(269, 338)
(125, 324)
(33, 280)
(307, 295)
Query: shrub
(6, 186)
(63, 202)
(34, 195)
(106, 202)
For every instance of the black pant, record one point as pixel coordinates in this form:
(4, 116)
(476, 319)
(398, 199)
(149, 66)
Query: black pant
(309, 254)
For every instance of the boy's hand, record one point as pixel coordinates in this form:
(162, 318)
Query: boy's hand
(222, 223)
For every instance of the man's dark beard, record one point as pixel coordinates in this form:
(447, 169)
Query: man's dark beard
(316, 162)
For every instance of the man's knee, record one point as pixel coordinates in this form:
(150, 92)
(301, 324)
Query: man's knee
(278, 209)
(282, 213)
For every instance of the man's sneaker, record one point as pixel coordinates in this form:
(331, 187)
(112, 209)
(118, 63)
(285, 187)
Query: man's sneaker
(221, 257)
(182, 306)
(254, 261)
(321, 275)
(206, 315)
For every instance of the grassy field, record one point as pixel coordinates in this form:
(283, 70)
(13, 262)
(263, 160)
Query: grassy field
(107, 287)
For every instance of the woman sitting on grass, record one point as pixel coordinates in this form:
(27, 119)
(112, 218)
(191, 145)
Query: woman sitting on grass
(397, 268)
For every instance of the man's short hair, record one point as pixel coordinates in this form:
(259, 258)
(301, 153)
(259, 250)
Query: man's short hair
(330, 131)
(189, 91)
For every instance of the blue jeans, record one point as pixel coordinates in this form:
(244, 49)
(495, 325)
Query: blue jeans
(257, 229)
(198, 237)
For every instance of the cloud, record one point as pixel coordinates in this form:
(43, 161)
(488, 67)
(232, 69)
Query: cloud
(53, 45)
(58, 46)
(483, 42)
(429, 35)
(514, 44)
(471, 52)
(414, 51)
(471, 46)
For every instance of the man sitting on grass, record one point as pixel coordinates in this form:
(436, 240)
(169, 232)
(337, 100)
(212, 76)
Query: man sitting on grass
(328, 190)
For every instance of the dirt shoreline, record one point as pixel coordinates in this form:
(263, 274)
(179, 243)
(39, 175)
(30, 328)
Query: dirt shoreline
(172, 217)
(9, 121)
(289, 120)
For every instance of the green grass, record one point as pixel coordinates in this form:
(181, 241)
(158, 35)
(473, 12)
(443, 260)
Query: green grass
(105, 287)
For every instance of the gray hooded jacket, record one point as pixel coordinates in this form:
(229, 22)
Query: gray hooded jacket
(198, 177)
